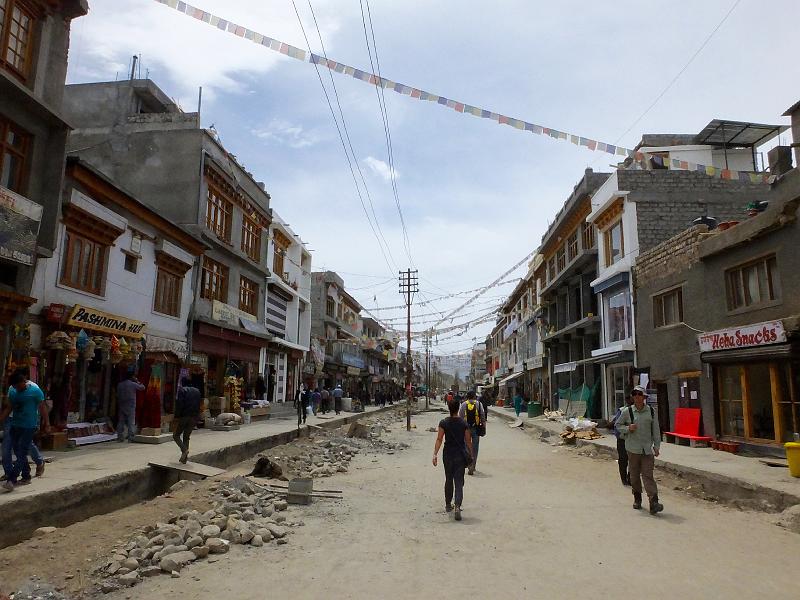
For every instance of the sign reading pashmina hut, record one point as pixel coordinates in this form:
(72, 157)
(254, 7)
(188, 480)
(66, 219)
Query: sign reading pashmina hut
(98, 320)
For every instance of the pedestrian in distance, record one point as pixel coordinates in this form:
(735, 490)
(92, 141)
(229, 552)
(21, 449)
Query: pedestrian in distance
(301, 403)
(638, 426)
(474, 416)
(338, 393)
(316, 400)
(271, 376)
(26, 407)
(7, 447)
(456, 457)
(187, 410)
(517, 403)
(261, 387)
(622, 453)
(126, 406)
(326, 400)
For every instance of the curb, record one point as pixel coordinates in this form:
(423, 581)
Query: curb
(81, 501)
(730, 490)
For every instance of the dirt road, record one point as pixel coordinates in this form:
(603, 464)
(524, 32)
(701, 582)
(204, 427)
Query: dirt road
(538, 521)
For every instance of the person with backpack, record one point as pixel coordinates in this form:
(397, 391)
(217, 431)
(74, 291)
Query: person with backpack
(622, 454)
(473, 414)
(638, 426)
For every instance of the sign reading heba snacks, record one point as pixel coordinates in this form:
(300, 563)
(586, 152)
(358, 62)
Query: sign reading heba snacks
(748, 336)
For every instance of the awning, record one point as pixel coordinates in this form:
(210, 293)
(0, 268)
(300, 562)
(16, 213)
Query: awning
(253, 326)
(505, 380)
(617, 279)
(292, 345)
(565, 367)
(774, 351)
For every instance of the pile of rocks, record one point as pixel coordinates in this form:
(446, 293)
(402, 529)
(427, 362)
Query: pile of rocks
(243, 513)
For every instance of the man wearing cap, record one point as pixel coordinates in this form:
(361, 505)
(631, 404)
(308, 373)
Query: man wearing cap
(638, 426)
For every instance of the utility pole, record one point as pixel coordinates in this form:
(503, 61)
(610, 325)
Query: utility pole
(409, 285)
(427, 368)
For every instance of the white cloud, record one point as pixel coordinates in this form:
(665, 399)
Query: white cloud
(380, 168)
(287, 134)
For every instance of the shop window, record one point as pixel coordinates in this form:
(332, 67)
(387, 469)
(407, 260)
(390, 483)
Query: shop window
(789, 379)
(668, 308)
(248, 296)
(753, 284)
(330, 307)
(84, 263)
(572, 247)
(613, 243)
(215, 281)
(219, 213)
(169, 287)
(14, 149)
(131, 263)
(17, 23)
(759, 401)
(617, 316)
(251, 238)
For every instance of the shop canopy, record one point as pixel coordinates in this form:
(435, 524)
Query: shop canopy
(511, 377)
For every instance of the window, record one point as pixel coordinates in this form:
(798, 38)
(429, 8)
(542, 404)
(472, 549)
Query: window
(613, 243)
(572, 247)
(248, 296)
(588, 236)
(618, 316)
(668, 308)
(219, 213)
(16, 38)
(168, 293)
(84, 263)
(561, 260)
(215, 281)
(14, 148)
(131, 263)
(551, 270)
(753, 284)
(330, 307)
(282, 244)
(251, 238)
(277, 262)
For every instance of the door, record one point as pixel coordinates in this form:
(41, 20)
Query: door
(730, 400)
(662, 394)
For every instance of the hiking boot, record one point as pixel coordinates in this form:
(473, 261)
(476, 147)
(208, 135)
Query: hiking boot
(448, 508)
(40, 469)
(24, 481)
(7, 486)
(184, 457)
(655, 506)
(637, 501)
(458, 513)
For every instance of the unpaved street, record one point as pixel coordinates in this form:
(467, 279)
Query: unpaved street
(537, 521)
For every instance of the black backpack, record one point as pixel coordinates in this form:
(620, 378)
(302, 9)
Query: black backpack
(652, 418)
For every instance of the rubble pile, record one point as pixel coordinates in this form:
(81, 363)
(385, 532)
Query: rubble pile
(243, 513)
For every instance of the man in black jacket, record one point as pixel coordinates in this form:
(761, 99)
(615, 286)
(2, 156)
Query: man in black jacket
(187, 410)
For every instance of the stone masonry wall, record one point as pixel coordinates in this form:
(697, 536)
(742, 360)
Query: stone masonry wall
(669, 257)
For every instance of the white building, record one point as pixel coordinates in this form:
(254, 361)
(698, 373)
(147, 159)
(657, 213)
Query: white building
(288, 310)
(119, 271)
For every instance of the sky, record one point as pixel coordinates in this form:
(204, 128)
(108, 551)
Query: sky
(475, 197)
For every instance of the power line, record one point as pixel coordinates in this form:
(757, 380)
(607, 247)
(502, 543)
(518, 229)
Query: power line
(341, 139)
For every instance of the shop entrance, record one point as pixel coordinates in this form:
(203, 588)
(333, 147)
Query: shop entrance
(758, 401)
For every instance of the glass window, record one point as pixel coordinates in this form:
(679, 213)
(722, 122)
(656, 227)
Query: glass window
(84, 263)
(17, 23)
(753, 284)
(219, 213)
(613, 243)
(561, 261)
(248, 295)
(618, 316)
(215, 281)
(731, 409)
(14, 147)
(588, 236)
(168, 293)
(759, 393)
(572, 247)
(668, 308)
(551, 269)
(330, 307)
(251, 238)
(620, 380)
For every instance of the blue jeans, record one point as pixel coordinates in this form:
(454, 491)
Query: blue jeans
(476, 440)
(21, 440)
(7, 449)
(127, 418)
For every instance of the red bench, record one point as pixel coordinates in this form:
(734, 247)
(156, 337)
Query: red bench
(687, 427)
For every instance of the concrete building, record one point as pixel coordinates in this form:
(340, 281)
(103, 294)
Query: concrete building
(718, 322)
(376, 347)
(136, 135)
(336, 324)
(34, 42)
(570, 324)
(477, 370)
(288, 310)
(118, 269)
(635, 209)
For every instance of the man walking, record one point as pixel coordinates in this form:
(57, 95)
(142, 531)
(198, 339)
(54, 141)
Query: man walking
(638, 426)
(187, 410)
(326, 399)
(337, 398)
(472, 412)
(26, 406)
(126, 406)
(301, 404)
(622, 453)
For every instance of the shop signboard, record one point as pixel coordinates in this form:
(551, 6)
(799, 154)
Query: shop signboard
(747, 336)
(353, 371)
(228, 314)
(19, 227)
(97, 320)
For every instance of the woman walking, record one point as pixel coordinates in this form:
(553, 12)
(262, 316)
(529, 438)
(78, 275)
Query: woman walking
(456, 457)
(517, 402)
